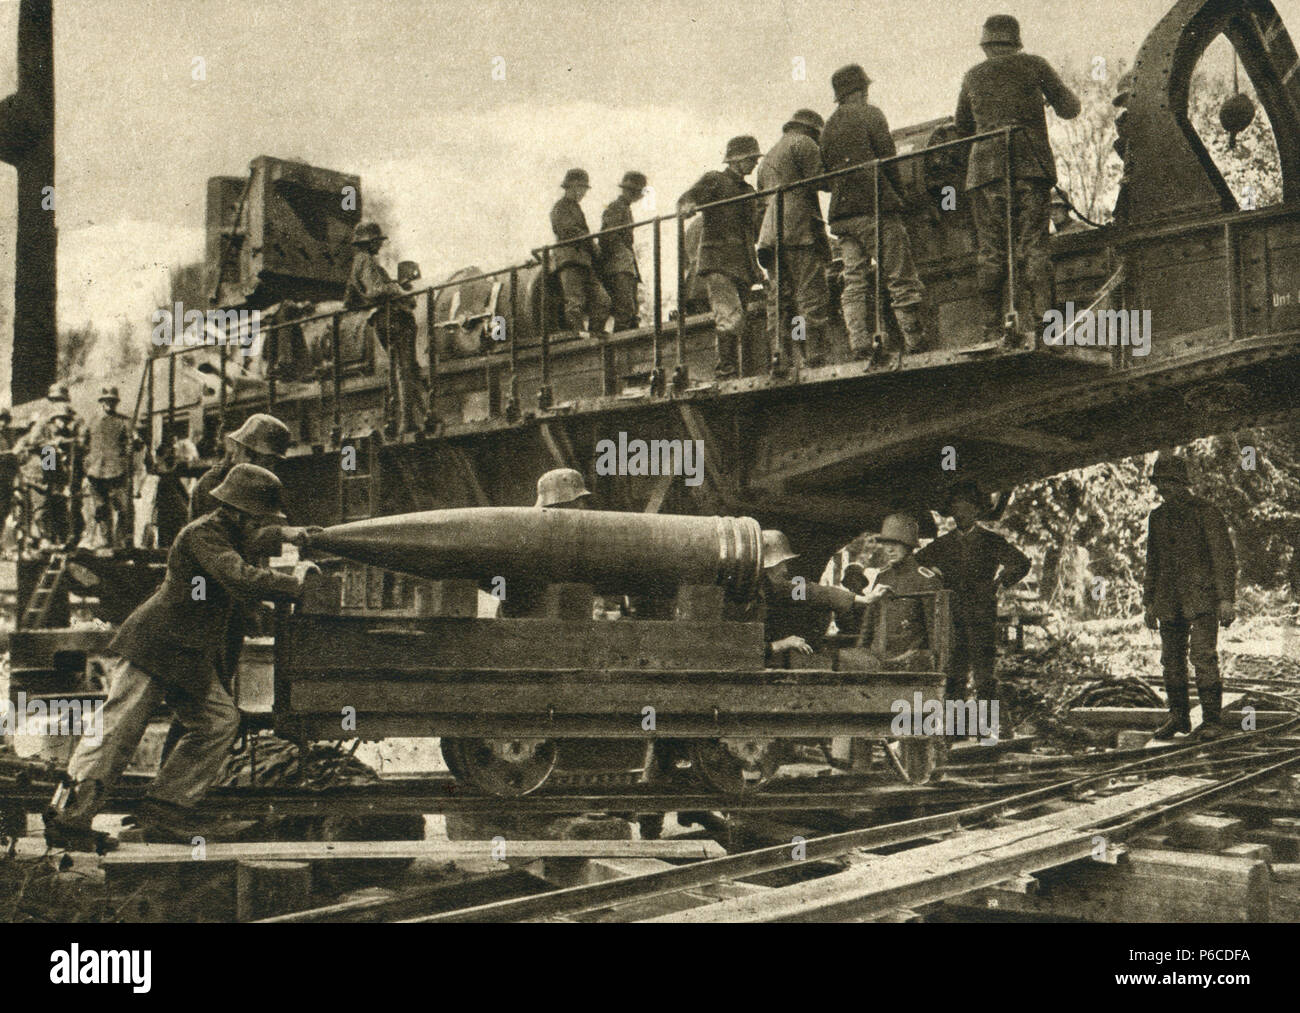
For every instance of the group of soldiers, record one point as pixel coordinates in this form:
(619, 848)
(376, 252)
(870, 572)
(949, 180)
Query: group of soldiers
(62, 461)
(182, 645)
(737, 247)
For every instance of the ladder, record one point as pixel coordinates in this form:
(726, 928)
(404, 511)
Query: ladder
(358, 495)
(38, 605)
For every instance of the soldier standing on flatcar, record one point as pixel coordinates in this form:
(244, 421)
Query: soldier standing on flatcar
(369, 285)
(805, 250)
(1189, 590)
(50, 472)
(618, 253)
(974, 563)
(171, 648)
(728, 263)
(1009, 90)
(586, 303)
(908, 626)
(109, 443)
(858, 132)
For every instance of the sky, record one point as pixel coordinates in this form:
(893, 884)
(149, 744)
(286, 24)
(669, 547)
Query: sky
(465, 161)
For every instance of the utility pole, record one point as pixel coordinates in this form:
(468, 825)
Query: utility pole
(27, 143)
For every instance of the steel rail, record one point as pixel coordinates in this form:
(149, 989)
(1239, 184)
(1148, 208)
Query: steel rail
(575, 900)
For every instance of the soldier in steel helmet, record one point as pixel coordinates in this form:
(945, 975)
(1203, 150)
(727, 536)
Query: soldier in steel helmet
(796, 612)
(1189, 590)
(558, 489)
(805, 250)
(1009, 89)
(262, 440)
(369, 285)
(618, 253)
(908, 624)
(586, 303)
(171, 648)
(728, 262)
(856, 133)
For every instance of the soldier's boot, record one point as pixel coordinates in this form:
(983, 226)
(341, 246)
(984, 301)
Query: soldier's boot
(167, 823)
(1179, 715)
(1031, 310)
(913, 328)
(1211, 726)
(69, 815)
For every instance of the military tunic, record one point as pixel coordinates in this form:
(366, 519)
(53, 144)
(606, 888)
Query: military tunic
(805, 251)
(108, 463)
(907, 624)
(1191, 570)
(784, 615)
(972, 564)
(618, 263)
(1009, 91)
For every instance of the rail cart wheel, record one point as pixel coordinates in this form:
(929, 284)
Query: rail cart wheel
(734, 766)
(504, 767)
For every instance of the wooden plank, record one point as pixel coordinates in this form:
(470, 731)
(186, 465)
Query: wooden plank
(619, 694)
(1208, 833)
(506, 851)
(320, 644)
(267, 889)
(1154, 717)
(966, 861)
(1149, 886)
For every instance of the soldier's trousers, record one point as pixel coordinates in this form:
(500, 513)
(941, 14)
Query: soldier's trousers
(974, 652)
(622, 291)
(805, 294)
(857, 238)
(586, 303)
(728, 304)
(211, 724)
(50, 513)
(1197, 637)
(397, 332)
(1030, 221)
(109, 499)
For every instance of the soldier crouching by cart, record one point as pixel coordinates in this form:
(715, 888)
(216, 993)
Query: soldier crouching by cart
(171, 648)
(796, 613)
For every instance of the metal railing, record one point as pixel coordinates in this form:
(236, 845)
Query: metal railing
(541, 256)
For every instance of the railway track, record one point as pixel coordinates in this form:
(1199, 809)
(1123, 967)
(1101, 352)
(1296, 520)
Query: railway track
(1196, 776)
(856, 874)
(985, 824)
